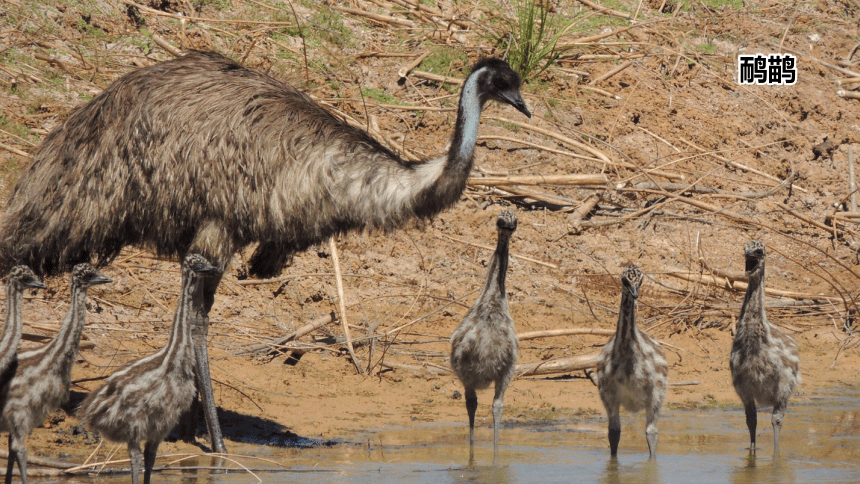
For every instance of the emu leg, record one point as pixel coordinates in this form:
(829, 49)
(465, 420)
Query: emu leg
(776, 420)
(614, 415)
(471, 408)
(135, 457)
(149, 452)
(749, 409)
(199, 332)
(18, 446)
(204, 385)
(498, 409)
(10, 462)
(651, 431)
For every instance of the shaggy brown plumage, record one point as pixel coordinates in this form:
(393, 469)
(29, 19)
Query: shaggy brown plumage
(201, 155)
(201, 152)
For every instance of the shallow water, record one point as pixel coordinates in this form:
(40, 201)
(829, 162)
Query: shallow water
(820, 442)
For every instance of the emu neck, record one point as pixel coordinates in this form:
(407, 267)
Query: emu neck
(494, 287)
(625, 332)
(752, 321)
(12, 330)
(180, 332)
(63, 349)
(466, 129)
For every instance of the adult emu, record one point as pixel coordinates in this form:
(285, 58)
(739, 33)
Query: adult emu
(199, 154)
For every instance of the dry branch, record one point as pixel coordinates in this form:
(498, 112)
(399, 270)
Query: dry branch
(313, 325)
(737, 165)
(575, 218)
(706, 206)
(597, 90)
(404, 71)
(564, 332)
(606, 10)
(852, 181)
(159, 13)
(836, 68)
(164, 44)
(562, 203)
(379, 18)
(15, 150)
(487, 247)
(438, 78)
(562, 46)
(560, 365)
(560, 137)
(611, 72)
(335, 259)
(577, 179)
(848, 94)
(41, 461)
(738, 286)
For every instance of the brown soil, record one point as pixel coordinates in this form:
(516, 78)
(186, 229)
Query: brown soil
(431, 270)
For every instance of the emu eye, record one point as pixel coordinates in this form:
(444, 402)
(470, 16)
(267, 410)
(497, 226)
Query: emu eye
(198, 267)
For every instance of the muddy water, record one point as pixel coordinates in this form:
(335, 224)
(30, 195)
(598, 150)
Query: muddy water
(820, 443)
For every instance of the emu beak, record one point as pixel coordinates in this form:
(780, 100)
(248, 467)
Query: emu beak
(634, 291)
(751, 264)
(516, 100)
(210, 271)
(99, 279)
(35, 284)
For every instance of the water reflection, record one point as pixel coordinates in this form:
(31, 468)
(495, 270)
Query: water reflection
(643, 472)
(755, 469)
(820, 443)
(495, 474)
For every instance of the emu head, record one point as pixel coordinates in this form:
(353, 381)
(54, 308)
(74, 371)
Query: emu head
(84, 275)
(24, 276)
(507, 221)
(754, 254)
(631, 279)
(501, 83)
(198, 264)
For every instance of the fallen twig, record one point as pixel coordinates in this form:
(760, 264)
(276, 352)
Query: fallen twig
(377, 17)
(437, 78)
(575, 179)
(560, 365)
(611, 72)
(335, 259)
(164, 44)
(313, 325)
(517, 256)
(564, 332)
(606, 10)
(404, 71)
(738, 286)
(558, 136)
(15, 150)
(739, 166)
